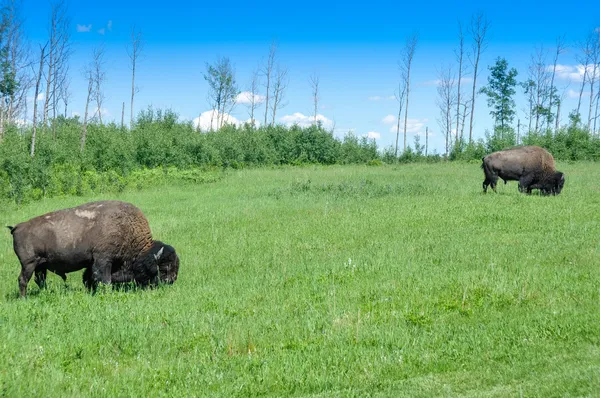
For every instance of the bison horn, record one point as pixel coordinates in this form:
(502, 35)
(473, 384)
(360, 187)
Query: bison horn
(157, 255)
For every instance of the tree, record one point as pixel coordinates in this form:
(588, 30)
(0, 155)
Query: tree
(400, 94)
(405, 65)
(90, 74)
(15, 78)
(134, 53)
(222, 89)
(35, 96)
(460, 55)
(254, 99)
(479, 28)
(279, 87)
(446, 100)
(267, 73)
(314, 84)
(593, 75)
(560, 48)
(500, 91)
(58, 51)
(587, 54)
(99, 75)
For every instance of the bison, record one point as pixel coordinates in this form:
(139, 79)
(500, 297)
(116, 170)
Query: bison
(110, 239)
(532, 166)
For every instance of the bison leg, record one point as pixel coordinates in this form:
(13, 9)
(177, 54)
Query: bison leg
(40, 277)
(26, 272)
(101, 271)
(88, 281)
(525, 184)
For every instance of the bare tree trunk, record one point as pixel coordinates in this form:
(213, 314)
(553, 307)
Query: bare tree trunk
(99, 76)
(556, 127)
(460, 71)
(134, 53)
(597, 103)
(559, 50)
(268, 70)
(253, 96)
(587, 55)
(279, 88)
(479, 28)
(592, 86)
(90, 76)
(407, 58)
(400, 98)
(314, 83)
(123, 116)
(35, 98)
(426, 139)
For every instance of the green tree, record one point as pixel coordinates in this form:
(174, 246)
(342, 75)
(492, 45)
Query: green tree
(500, 91)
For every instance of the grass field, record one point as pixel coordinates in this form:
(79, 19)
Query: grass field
(329, 281)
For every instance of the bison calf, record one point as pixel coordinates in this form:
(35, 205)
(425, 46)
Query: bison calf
(110, 239)
(532, 166)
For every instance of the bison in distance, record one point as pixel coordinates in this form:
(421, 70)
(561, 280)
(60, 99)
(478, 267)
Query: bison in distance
(532, 166)
(111, 240)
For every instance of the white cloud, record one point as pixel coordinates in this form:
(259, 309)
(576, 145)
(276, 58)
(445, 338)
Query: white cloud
(372, 135)
(22, 122)
(379, 98)
(389, 119)
(84, 28)
(245, 97)
(574, 73)
(204, 121)
(101, 31)
(305, 121)
(413, 126)
(109, 25)
(41, 96)
(73, 114)
(103, 111)
(575, 94)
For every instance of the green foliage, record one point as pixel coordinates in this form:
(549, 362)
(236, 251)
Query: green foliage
(500, 91)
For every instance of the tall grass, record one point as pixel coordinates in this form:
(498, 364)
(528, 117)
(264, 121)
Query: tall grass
(400, 280)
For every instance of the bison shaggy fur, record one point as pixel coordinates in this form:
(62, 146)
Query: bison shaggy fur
(532, 166)
(110, 239)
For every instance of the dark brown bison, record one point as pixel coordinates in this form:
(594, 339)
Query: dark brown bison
(111, 240)
(532, 166)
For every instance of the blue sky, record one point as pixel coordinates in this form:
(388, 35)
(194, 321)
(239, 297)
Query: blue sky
(354, 48)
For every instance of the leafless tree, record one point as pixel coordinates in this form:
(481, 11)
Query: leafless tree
(123, 115)
(400, 97)
(585, 60)
(222, 89)
(89, 75)
(593, 76)
(35, 96)
(279, 86)
(479, 29)
(541, 79)
(560, 48)
(16, 61)
(446, 101)
(254, 99)
(459, 55)
(405, 66)
(314, 84)
(134, 52)
(58, 51)
(99, 75)
(268, 74)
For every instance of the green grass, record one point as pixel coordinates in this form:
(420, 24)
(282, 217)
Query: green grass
(329, 281)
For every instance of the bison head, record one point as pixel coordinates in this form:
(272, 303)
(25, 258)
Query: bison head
(559, 182)
(160, 263)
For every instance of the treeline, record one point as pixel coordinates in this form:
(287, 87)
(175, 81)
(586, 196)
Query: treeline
(163, 149)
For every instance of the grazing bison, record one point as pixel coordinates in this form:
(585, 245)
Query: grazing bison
(532, 166)
(110, 239)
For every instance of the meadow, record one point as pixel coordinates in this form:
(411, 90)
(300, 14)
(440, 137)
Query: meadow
(324, 281)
